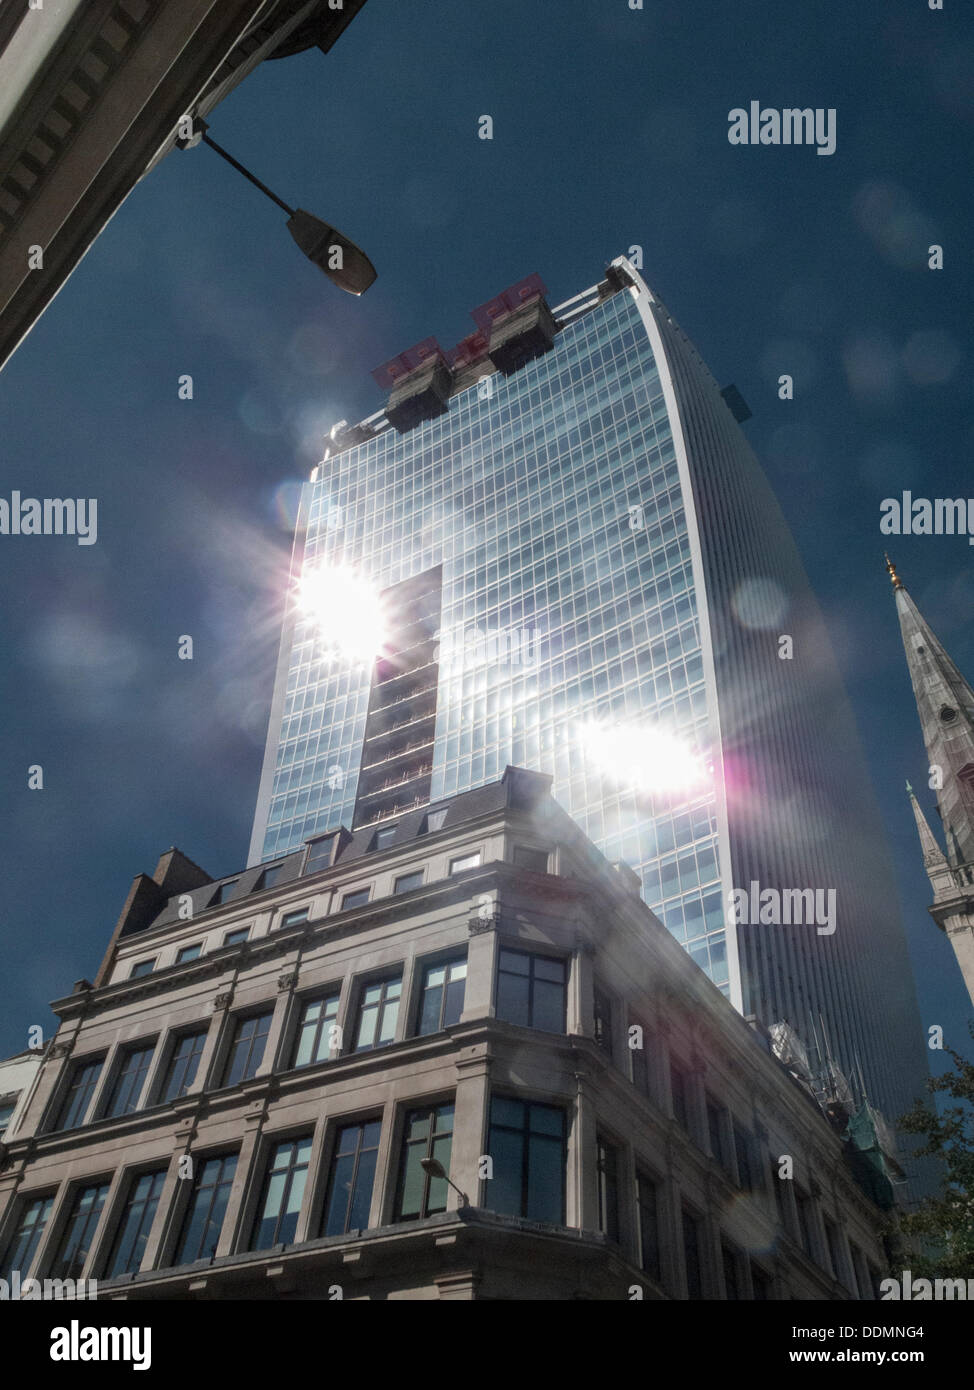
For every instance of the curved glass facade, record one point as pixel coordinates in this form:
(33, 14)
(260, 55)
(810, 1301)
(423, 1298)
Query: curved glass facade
(610, 558)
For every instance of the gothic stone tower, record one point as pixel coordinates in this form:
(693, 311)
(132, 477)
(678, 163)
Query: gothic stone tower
(945, 702)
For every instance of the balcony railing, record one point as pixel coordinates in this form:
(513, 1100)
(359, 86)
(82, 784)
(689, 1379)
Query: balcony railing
(423, 771)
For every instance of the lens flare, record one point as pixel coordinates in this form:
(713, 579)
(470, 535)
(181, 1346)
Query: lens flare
(346, 611)
(644, 757)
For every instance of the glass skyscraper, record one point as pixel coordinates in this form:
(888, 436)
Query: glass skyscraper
(586, 573)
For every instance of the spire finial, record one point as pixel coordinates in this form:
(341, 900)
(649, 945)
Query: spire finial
(909, 789)
(895, 580)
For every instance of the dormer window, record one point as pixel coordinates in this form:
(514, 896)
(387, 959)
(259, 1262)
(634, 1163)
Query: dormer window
(224, 893)
(269, 877)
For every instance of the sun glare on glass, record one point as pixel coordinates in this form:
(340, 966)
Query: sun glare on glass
(346, 610)
(643, 757)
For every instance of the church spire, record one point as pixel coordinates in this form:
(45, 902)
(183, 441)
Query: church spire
(934, 860)
(945, 704)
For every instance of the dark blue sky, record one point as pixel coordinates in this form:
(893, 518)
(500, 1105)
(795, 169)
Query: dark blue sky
(610, 129)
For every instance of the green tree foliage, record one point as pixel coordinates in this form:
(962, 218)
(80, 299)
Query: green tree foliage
(945, 1222)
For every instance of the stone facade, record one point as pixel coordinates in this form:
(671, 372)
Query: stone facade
(484, 1007)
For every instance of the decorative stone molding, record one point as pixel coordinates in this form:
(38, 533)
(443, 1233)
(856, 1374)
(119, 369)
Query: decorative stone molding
(287, 981)
(476, 925)
(223, 1001)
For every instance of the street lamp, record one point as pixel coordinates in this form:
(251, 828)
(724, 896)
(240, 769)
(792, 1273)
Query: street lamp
(345, 264)
(433, 1168)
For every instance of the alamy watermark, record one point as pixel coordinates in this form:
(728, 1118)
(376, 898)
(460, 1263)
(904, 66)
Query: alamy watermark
(790, 126)
(925, 1290)
(15, 1290)
(920, 516)
(464, 648)
(50, 516)
(767, 907)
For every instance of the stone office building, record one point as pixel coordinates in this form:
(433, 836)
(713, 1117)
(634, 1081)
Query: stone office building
(261, 1092)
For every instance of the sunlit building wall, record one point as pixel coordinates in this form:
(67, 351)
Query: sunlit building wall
(622, 606)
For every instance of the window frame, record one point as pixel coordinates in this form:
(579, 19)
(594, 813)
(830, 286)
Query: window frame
(293, 1171)
(66, 1103)
(521, 850)
(342, 1126)
(424, 967)
(431, 1108)
(525, 1133)
(369, 982)
(122, 1058)
(37, 1230)
(142, 1231)
(322, 995)
(401, 878)
(71, 1213)
(532, 956)
(183, 959)
(461, 863)
(239, 1022)
(172, 1047)
(346, 906)
(221, 1156)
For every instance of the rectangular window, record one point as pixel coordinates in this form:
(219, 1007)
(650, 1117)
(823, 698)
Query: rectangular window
(835, 1249)
(135, 1224)
(428, 1133)
(186, 953)
(358, 898)
(319, 855)
(638, 1060)
(647, 1213)
(86, 1210)
(715, 1131)
(378, 1013)
(441, 1000)
(383, 838)
(35, 1213)
(270, 877)
(6, 1111)
(318, 1035)
(526, 1141)
(142, 967)
(732, 1275)
(536, 860)
(282, 1194)
(602, 1019)
(236, 937)
(84, 1079)
(531, 990)
(691, 1254)
(608, 1174)
(127, 1091)
(742, 1152)
(679, 1088)
(803, 1209)
(352, 1175)
(207, 1208)
(183, 1064)
(778, 1188)
(465, 861)
(224, 893)
(405, 883)
(861, 1271)
(292, 919)
(247, 1051)
(434, 821)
